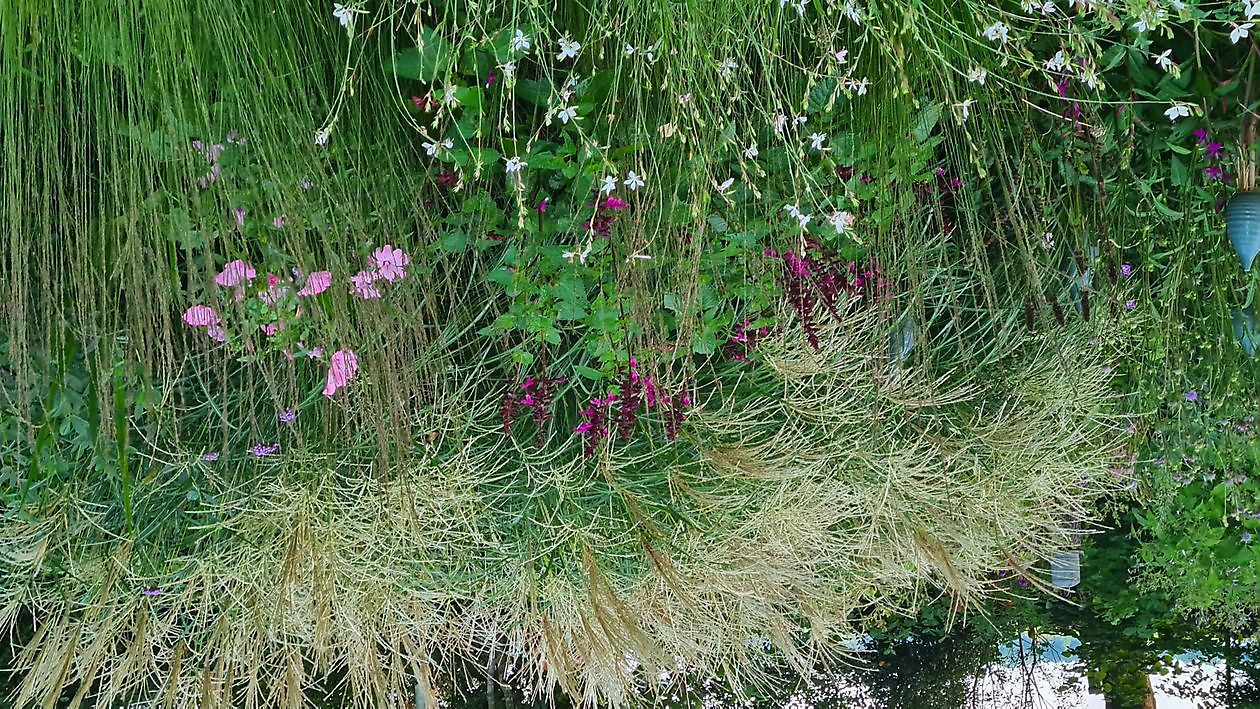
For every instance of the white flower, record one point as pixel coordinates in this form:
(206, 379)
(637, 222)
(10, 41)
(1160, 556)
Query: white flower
(448, 96)
(997, 31)
(430, 149)
(321, 136)
(581, 256)
(633, 181)
(1090, 77)
(794, 211)
(568, 49)
(610, 184)
(520, 42)
(1177, 110)
(728, 68)
(514, 165)
(684, 99)
(726, 185)
(801, 119)
(852, 12)
(567, 114)
(345, 15)
(751, 151)
(798, 5)
(1047, 241)
(448, 144)
(509, 70)
(858, 86)
(964, 108)
(816, 140)
(1239, 32)
(977, 75)
(1049, 8)
(1164, 60)
(779, 122)
(1058, 62)
(841, 56)
(841, 221)
(1252, 9)
(629, 50)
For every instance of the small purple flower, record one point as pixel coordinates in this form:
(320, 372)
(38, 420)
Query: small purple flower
(263, 449)
(1215, 173)
(1022, 583)
(1213, 150)
(280, 221)
(287, 416)
(211, 456)
(1245, 538)
(1192, 396)
(1126, 270)
(1201, 136)
(239, 215)
(151, 591)
(1130, 304)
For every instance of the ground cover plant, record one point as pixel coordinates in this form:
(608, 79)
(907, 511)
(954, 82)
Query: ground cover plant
(578, 340)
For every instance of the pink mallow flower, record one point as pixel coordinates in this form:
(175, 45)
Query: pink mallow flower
(234, 273)
(363, 287)
(201, 316)
(316, 283)
(390, 262)
(341, 371)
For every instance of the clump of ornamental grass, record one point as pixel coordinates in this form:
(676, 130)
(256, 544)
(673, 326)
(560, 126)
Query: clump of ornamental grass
(782, 513)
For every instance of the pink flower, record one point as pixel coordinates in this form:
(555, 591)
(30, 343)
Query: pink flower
(390, 262)
(239, 215)
(280, 221)
(363, 287)
(341, 371)
(201, 316)
(234, 273)
(270, 329)
(316, 283)
(216, 333)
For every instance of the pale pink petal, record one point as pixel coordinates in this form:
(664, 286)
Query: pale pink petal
(316, 283)
(343, 367)
(390, 262)
(234, 273)
(216, 333)
(201, 316)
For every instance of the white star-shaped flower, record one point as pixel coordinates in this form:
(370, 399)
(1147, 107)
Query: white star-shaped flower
(632, 181)
(852, 12)
(684, 99)
(514, 165)
(726, 185)
(1058, 62)
(859, 86)
(1252, 9)
(1177, 110)
(1239, 32)
(568, 49)
(751, 151)
(509, 70)
(610, 184)
(1164, 60)
(964, 108)
(779, 122)
(977, 75)
(345, 15)
(816, 140)
(728, 68)
(569, 113)
(321, 136)
(841, 221)
(629, 50)
(841, 56)
(520, 42)
(430, 149)
(997, 31)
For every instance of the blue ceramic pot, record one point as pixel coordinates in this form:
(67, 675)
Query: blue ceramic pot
(1242, 214)
(1245, 329)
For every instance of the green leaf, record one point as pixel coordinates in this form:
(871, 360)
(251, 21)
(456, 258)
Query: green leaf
(533, 91)
(454, 242)
(926, 122)
(424, 62)
(592, 374)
